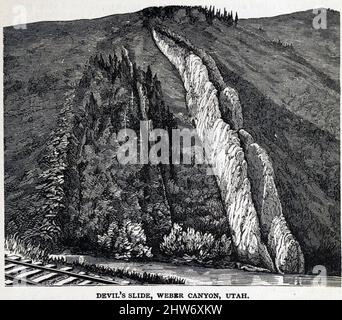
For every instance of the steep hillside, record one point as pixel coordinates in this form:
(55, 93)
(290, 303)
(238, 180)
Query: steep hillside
(42, 67)
(68, 88)
(291, 108)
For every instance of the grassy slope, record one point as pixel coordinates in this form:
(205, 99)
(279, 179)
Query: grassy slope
(322, 51)
(291, 105)
(41, 65)
(303, 80)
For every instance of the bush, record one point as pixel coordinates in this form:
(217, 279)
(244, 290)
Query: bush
(18, 246)
(125, 241)
(282, 44)
(194, 245)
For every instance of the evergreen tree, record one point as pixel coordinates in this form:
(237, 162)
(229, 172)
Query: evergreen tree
(236, 19)
(148, 80)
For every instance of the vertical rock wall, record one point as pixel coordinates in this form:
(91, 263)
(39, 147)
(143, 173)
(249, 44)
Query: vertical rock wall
(281, 243)
(243, 170)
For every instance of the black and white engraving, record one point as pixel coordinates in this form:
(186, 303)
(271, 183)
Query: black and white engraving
(173, 145)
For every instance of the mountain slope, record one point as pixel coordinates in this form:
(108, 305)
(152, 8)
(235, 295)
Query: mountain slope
(289, 98)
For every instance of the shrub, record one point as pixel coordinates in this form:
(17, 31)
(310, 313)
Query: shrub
(195, 245)
(125, 241)
(282, 44)
(18, 246)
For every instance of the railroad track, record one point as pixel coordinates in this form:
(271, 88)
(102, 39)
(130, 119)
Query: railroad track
(19, 271)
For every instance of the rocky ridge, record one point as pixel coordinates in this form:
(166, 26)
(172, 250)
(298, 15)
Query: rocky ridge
(243, 170)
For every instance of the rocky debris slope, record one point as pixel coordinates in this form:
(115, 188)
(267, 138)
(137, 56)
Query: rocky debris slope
(243, 170)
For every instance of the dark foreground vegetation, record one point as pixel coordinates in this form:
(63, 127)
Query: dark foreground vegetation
(15, 245)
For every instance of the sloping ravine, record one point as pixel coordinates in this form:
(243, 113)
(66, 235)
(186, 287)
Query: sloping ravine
(243, 170)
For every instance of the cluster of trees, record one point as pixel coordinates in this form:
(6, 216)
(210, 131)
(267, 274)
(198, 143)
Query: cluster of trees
(114, 209)
(43, 228)
(89, 202)
(211, 13)
(190, 14)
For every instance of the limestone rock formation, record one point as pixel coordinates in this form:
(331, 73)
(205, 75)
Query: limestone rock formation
(243, 170)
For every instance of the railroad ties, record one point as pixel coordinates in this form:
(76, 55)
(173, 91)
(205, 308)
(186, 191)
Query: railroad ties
(20, 271)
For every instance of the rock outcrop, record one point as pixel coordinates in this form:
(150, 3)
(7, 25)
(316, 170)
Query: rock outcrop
(243, 170)
(281, 243)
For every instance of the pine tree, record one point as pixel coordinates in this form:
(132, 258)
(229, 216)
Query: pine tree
(236, 19)
(225, 14)
(149, 76)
